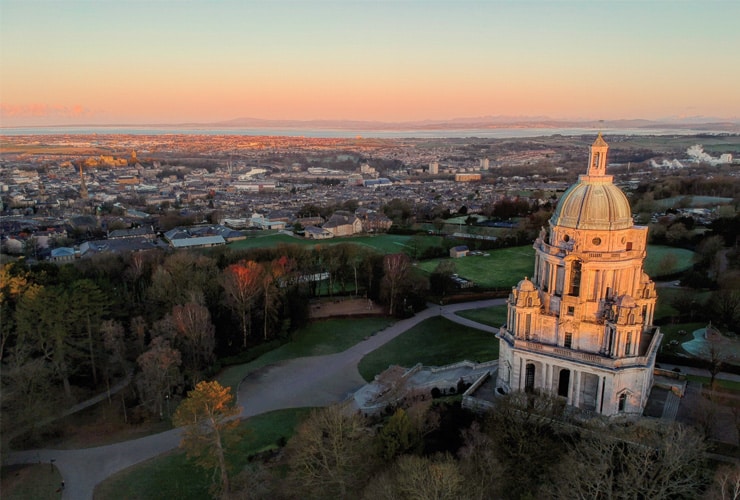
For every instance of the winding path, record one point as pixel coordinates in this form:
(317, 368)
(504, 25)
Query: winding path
(299, 382)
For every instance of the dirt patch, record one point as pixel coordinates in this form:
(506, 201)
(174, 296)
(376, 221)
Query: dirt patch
(345, 307)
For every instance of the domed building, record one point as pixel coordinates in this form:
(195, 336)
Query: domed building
(582, 326)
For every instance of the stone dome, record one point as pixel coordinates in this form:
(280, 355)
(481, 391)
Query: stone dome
(594, 202)
(593, 205)
(525, 285)
(626, 301)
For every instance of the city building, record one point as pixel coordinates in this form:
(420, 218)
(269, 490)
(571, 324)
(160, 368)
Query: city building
(467, 177)
(433, 168)
(581, 328)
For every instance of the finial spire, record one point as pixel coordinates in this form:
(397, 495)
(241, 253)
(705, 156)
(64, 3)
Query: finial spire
(597, 158)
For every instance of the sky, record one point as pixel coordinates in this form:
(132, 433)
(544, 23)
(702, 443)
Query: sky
(180, 61)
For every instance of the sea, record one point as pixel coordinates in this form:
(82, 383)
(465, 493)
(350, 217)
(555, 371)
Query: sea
(354, 133)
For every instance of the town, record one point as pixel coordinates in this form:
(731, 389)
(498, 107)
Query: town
(462, 306)
(59, 192)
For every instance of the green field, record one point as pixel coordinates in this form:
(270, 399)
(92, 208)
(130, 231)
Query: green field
(172, 475)
(384, 243)
(492, 316)
(503, 268)
(434, 342)
(655, 263)
(695, 201)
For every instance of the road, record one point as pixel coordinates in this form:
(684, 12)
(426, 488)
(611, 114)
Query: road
(309, 381)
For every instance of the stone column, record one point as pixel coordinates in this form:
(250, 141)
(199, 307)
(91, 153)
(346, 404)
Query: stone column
(576, 388)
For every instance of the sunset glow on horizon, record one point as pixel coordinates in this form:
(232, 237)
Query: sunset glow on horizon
(72, 62)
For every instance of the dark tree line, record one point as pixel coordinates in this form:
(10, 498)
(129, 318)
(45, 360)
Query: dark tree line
(168, 319)
(526, 447)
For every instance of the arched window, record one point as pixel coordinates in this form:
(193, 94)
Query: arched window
(575, 279)
(529, 378)
(564, 382)
(529, 301)
(622, 401)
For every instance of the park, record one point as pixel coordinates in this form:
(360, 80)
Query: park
(430, 337)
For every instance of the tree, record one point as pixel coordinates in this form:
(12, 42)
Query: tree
(14, 281)
(726, 485)
(439, 280)
(242, 283)
(328, 456)
(194, 335)
(209, 417)
(160, 372)
(479, 464)
(88, 306)
(725, 307)
(395, 272)
(271, 276)
(521, 427)
(397, 436)
(184, 277)
(114, 342)
(43, 327)
(414, 477)
(646, 460)
(715, 352)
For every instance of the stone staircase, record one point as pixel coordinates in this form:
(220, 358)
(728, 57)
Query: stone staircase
(670, 408)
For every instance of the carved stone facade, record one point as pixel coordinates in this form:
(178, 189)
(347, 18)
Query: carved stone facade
(581, 328)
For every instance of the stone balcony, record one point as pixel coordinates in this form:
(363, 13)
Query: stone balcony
(651, 339)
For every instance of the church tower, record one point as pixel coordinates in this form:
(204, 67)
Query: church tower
(582, 327)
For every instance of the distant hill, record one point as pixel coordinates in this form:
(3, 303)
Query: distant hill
(484, 122)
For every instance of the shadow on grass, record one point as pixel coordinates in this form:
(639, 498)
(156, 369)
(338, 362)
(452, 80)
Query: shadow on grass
(434, 342)
(318, 338)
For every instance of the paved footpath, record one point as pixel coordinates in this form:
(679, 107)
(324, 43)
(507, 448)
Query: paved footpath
(300, 382)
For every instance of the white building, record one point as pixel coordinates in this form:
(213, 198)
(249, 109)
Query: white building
(581, 328)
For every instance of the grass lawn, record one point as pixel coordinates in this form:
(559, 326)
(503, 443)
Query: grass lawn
(436, 341)
(492, 316)
(654, 263)
(666, 296)
(730, 385)
(695, 201)
(503, 268)
(383, 243)
(172, 475)
(21, 482)
(320, 337)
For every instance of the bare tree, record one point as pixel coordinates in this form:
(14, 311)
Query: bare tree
(716, 353)
(195, 335)
(242, 284)
(114, 341)
(646, 460)
(395, 269)
(328, 456)
(726, 484)
(414, 477)
(160, 372)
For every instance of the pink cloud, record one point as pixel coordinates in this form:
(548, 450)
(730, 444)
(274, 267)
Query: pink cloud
(38, 110)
